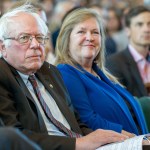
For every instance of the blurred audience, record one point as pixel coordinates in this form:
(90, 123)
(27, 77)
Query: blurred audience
(132, 66)
(113, 26)
(61, 8)
(13, 139)
(55, 10)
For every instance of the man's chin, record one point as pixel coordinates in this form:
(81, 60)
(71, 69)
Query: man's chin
(35, 66)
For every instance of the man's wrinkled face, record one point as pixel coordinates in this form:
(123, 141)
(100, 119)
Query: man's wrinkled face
(25, 57)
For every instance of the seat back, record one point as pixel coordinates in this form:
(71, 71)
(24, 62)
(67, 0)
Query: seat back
(145, 105)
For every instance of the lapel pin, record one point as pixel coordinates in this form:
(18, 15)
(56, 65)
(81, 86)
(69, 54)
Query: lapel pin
(51, 85)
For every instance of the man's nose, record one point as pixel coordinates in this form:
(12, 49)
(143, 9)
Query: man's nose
(34, 42)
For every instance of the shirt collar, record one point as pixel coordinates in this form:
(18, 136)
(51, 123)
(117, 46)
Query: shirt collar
(137, 56)
(24, 77)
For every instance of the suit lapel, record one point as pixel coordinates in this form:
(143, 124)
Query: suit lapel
(52, 88)
(25, 90)
(133, 70)
(30, 98)
(22, 84)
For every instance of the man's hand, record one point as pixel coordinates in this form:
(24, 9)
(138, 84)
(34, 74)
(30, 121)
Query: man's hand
(98, 138)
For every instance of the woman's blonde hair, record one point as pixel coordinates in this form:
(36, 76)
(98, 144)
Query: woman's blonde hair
(62, 45)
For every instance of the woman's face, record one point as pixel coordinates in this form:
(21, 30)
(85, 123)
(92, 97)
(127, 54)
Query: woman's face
(85, 41)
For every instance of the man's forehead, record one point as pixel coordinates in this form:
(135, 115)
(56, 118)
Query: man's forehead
(141, 16)
(21, 16)
(24, 22)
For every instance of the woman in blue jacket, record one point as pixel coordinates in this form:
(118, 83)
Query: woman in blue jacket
(97, 95)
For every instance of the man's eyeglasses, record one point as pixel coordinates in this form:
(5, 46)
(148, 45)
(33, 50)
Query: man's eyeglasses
(25, 38)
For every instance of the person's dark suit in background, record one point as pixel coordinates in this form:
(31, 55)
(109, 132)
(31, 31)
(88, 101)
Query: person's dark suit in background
(23, 35)
(129, 65)
(13, 139)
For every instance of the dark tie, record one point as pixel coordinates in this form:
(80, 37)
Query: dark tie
(47, 111)
(148, 58)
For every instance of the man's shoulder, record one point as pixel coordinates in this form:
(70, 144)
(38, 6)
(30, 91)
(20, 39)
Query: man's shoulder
(46, 67)
(49, 70)
(2, 62)
(7, 73)
(119, 56)
(118, 61)
(5, 67)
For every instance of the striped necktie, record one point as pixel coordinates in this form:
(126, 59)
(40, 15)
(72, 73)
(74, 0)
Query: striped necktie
(47, 111)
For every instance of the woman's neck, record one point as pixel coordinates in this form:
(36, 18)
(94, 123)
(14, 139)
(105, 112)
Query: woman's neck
(89, 69)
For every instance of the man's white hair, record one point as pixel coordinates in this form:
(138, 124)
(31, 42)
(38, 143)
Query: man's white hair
(7, 19)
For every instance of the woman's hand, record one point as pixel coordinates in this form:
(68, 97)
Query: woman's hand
(130, 135)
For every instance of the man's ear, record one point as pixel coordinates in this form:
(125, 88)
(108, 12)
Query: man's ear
(2, 49)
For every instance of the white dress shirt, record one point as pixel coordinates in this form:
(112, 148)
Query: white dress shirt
(52, 129)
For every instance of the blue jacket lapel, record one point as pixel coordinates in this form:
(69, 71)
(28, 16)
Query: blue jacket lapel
(136, 108)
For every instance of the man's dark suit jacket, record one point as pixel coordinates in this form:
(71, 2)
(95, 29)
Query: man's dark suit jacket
(123, 66)
(18, 109)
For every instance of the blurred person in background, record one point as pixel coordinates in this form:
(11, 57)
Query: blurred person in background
(13, 139)
(132, 65)
(113, 26)
(120, 37)
(97, 8)
(48, 6)
(61, 8)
